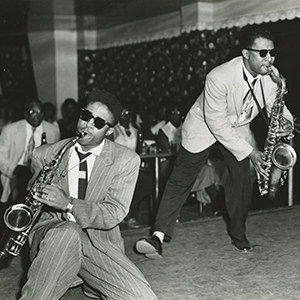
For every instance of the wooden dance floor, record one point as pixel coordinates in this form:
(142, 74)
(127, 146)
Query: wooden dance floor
(200, 263)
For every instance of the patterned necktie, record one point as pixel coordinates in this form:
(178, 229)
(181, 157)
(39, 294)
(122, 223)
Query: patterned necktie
(83, 174)
(30, 148)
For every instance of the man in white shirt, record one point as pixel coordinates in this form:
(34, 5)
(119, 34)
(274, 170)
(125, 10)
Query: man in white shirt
(17, 141)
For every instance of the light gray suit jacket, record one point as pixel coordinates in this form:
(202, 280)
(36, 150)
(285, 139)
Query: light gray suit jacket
(108, 196)
(12, 145)
(214, 116)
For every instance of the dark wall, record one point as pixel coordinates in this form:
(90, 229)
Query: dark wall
(16, 72)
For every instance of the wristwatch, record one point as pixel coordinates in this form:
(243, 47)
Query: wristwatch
(69, 207)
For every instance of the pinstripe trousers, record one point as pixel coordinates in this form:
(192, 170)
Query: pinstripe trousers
(61, 251)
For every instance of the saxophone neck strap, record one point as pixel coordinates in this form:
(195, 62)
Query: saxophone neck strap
(261, 110)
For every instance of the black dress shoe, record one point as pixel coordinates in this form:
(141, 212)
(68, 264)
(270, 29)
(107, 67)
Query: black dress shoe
(87, 291)
(151, 247)
(242, 248)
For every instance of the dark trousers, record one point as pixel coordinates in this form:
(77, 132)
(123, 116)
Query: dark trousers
(238, 191)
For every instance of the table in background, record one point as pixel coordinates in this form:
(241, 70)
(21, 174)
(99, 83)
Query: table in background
(157, 156)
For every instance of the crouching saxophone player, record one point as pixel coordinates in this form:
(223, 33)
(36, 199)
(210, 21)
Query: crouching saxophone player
(77, 238)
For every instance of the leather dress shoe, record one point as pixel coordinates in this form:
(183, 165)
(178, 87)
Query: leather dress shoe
(91, 295)
(151, 247)
(242, 248)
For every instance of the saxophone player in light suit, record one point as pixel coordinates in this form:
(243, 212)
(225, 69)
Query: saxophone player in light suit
(77, 238)
(222, 114)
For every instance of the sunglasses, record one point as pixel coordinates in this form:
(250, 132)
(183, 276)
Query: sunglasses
(86, 115)
(264, 52)
(36, 112)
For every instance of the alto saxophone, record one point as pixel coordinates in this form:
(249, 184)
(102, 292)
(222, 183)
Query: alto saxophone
(20, 218)
(277, 154)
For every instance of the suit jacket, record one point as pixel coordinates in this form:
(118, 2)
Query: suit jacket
(12, 145)
(108, 196)
(214, 116)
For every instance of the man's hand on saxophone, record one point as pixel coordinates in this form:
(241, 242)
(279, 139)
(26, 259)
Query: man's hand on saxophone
(52, 195)
(256, 157)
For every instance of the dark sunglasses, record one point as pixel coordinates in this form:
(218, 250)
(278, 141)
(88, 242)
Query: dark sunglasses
(264, 52)
(33, 111)
(86, 115)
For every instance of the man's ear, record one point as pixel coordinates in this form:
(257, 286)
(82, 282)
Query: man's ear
(109, 131)
(245, 53)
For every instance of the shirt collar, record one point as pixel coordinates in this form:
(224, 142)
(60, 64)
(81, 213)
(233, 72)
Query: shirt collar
(249, 76)
(28, 126)
(96, 150)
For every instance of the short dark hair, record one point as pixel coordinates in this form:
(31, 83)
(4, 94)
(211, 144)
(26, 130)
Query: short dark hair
(28, 102)
(109, 100)
(250, 34)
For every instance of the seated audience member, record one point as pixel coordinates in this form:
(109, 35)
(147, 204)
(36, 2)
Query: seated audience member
(168, 139)
(17, 142)
(210, 181)
(77, 238)
(126, 134)
(207, 182)
(148, 124)
(161, 119)
(70, 113)
(50, 113)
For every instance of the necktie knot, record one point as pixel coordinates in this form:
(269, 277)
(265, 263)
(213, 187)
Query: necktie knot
(81, 155)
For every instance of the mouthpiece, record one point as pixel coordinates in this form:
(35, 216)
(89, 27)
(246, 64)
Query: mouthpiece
(270, 71)
(81, 135)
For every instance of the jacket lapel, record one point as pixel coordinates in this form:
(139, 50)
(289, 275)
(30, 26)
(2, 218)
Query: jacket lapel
(101, 167)
(62, 169)
(238, 86)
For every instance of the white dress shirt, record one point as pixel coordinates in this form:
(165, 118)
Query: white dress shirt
(73, 167)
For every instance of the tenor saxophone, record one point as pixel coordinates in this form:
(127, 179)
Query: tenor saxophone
(20, 218)
(277, 154)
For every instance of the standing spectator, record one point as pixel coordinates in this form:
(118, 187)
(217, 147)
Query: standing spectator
(70, 113)
(17, 141)
(161, 119)
(222, 114)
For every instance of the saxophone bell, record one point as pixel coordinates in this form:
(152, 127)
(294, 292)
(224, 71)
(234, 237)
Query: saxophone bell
(18, 217)
(284, 156)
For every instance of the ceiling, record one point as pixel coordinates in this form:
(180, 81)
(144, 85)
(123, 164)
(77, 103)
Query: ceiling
(13, 13)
